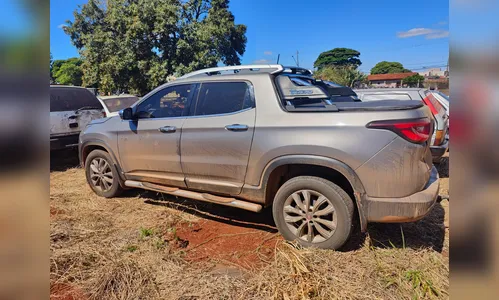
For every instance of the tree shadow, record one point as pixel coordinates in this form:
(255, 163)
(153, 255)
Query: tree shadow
(61, 160)
(210, 211)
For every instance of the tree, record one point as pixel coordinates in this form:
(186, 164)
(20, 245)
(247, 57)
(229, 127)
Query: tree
(68, 72)
(51, 63)
(344, 75)
(338, 57)
(135, 45)
(414, 80)
(388, 67)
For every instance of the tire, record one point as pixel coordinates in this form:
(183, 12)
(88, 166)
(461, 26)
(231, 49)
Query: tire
(315, 187)
(104, 187)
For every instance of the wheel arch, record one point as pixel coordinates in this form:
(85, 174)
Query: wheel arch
(334, 170)
(88, 146)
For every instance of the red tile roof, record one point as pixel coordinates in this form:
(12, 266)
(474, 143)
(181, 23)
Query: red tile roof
(394, 76)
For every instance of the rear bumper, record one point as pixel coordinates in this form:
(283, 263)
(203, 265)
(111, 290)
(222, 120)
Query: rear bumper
(406, 209)
(64, 141)
(438, 151)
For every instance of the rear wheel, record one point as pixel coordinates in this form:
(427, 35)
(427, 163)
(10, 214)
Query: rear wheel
(102, 175)
(313, 211)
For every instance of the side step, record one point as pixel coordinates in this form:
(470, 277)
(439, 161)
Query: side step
(227, 201)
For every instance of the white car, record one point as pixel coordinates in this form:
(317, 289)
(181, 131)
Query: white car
(113, 104)
(71, 109)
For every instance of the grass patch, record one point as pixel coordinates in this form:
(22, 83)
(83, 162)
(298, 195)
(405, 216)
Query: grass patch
(146, 232)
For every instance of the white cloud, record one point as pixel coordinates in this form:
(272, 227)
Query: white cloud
(427, 32)
(61, 26)
(261, 61)
(267, 53)
(438, 35)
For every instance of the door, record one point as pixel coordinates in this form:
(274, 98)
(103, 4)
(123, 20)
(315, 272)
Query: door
(149, 147)
(216, 140)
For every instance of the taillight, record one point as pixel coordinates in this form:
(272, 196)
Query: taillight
(439, 138)
(414, 131)
(428, 103)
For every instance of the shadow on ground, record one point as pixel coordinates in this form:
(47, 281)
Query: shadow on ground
(219, 213)
(61, 160)
(426, 233)
(443, 167)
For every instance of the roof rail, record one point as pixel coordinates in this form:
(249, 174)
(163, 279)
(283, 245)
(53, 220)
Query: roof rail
(272, 69)
(297, 70)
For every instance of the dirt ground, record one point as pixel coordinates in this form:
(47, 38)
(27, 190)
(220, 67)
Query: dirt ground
(146, 245)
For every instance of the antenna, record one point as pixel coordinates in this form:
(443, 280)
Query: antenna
(297, 59)
(278, 56)
(294, 60)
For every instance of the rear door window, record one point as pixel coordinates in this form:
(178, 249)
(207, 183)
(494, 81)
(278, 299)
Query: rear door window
(71, 99)
(223, 97)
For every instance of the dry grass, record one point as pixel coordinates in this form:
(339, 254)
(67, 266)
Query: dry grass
(116, 249)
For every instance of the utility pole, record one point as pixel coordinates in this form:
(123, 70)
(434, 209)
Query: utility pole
(447, 66)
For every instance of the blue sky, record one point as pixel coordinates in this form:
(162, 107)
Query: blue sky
(413, 33)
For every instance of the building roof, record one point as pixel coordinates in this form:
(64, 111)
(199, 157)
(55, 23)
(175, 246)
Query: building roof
(394, 76)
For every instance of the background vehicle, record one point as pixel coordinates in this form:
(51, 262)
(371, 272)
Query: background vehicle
(113, 104)
(249, 137)
(71, 109)
(440, 138)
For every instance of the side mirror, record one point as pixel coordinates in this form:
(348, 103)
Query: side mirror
(126, 114)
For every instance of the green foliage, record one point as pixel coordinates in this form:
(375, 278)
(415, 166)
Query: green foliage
(413, 80)
(344, 75)
(135, 45)
(67, 72)
(421, 286)
(338, 57)
(388, 67)
(132, 248)
(146, 232)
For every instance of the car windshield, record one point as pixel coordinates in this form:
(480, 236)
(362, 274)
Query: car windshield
(119, 103)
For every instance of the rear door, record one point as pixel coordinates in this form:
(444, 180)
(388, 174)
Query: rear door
(71, 109)
(216, 140)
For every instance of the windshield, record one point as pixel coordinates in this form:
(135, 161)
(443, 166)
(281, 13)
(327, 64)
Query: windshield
(119, 103)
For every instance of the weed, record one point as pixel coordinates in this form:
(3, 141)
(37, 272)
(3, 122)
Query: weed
(160, 244)
(419, 282)
(146, 232)
(132, 248)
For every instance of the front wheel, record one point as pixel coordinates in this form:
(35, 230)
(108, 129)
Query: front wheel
(101, 174)
(313, 211)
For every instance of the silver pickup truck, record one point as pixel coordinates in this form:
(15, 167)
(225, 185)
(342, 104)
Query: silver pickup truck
(267, 135)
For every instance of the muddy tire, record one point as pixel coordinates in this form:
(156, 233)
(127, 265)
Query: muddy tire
(102, 176)
(313, 211)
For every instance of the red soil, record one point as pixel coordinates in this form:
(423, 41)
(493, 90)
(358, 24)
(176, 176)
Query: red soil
(246, 247)
(63, 291)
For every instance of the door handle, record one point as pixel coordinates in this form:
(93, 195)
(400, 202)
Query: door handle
(168, 129)
(237, 127)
